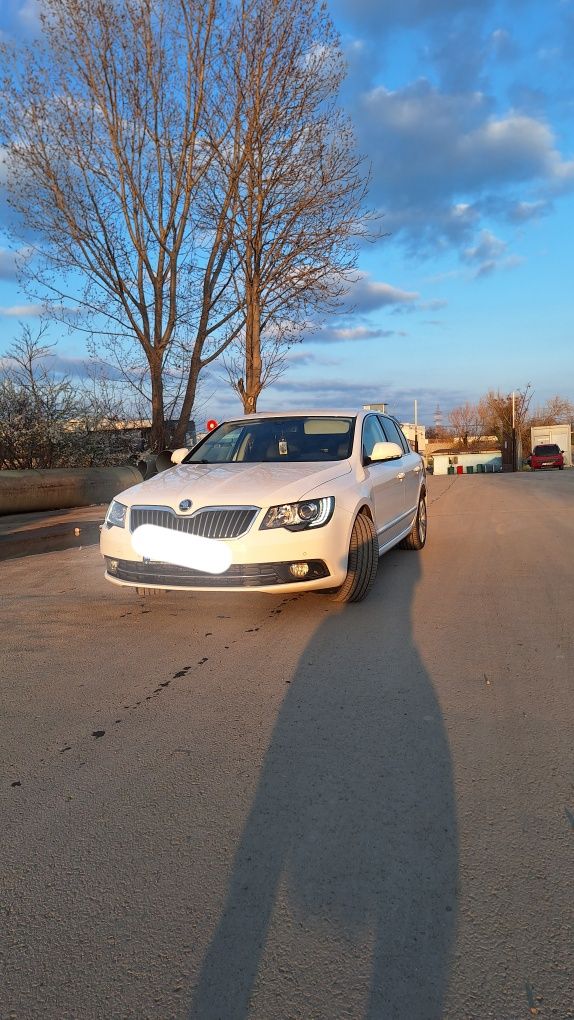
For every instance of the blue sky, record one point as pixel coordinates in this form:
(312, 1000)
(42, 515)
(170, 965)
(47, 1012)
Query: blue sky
(465, 110)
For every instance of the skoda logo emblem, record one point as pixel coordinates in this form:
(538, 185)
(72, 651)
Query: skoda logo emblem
(185, 504)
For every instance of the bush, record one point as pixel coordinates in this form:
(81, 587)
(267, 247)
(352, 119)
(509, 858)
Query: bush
(47, 422)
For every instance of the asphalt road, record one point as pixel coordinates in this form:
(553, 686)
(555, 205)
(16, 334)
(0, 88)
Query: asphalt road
(255, 808)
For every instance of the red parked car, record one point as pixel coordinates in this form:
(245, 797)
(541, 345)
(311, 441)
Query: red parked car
(546, 455)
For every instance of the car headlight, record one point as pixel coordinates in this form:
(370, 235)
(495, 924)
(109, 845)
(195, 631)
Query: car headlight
(309, 513)
(116, 515)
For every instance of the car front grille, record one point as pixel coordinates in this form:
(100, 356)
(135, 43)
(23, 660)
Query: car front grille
(212, 522)
(238, 575)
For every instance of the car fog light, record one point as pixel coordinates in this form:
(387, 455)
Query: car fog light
(299, 569)
(113, 566)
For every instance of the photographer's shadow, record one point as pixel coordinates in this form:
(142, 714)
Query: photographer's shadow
(353, 826)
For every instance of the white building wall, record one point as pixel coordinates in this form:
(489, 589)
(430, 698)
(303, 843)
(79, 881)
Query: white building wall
(442, 461)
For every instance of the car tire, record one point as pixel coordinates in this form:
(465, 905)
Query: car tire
(417, 536)
(561, 467)
(362, 563)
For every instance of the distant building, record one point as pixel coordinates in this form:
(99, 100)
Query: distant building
(416, 435)
(376, 407)
(137, 431)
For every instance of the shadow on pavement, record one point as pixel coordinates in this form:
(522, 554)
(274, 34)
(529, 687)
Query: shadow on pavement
(353, 824)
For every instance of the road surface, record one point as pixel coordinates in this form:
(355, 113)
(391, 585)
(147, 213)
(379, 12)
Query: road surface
(240, 807)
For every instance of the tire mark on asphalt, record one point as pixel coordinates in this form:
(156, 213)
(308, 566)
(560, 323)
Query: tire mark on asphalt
(99, 733)
(444, 491)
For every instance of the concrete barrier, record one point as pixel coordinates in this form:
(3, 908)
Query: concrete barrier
(60, 488)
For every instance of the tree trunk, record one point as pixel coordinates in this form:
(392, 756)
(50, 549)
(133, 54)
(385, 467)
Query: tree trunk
(252, 387)
(157, 437)
(179, 436)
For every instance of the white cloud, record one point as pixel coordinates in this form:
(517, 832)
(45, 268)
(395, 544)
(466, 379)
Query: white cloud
(367, 295)
(351, 334)
(442, 161)
(22, 311)
(488, 254)
(489, 248)
(361, 333)
(302, 357)
(11, 260)
(521, 212)
(374, 16)
(510, 149)
(439, 146)
(503, 45)
(29, 15)
(9, 263)
(293, 392)
(434, 305)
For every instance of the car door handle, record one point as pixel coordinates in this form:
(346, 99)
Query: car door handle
(401, 475)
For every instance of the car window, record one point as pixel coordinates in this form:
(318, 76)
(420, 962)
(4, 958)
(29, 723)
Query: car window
(394, 434)
(372, 433)
(280, 440)
(546, 450)
(223, 447)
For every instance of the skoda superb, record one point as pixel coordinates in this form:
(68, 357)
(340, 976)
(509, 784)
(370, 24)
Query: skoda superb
(275, 502)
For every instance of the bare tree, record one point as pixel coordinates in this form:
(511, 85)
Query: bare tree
(555, 411)
(111, 125)
(48, 421)
(499, 413)
(465, 422)
(34, 404)
(302, 184)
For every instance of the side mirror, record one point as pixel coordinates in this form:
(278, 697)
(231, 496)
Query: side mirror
(178, 455)
(385, 451)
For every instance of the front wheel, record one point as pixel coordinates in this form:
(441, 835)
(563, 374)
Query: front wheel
(417, 536)
(362, 563)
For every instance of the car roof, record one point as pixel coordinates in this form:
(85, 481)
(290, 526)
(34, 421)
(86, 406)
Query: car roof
(323, 412)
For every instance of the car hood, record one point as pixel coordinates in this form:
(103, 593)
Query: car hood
(233, 484)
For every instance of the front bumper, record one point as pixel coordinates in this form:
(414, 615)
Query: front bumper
(239, 575)
(260, 561)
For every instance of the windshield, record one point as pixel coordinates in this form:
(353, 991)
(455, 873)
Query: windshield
(276, 440)
(547, 450)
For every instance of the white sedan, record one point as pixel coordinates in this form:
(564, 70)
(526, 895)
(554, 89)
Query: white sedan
(278, 502)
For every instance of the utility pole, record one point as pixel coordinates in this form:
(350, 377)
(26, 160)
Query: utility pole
(514, 458)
